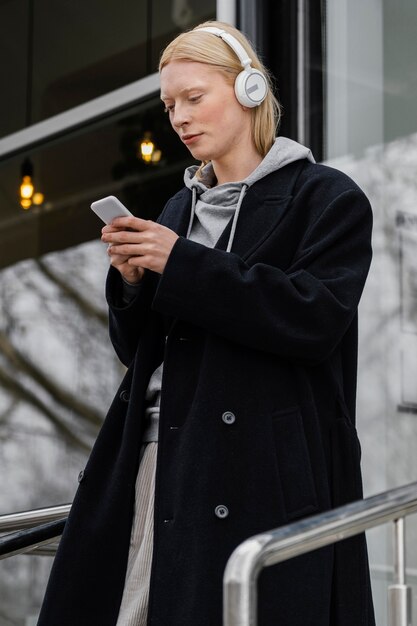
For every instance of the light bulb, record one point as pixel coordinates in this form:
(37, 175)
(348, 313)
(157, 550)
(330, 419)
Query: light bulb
(146, 150)
(38, 198)
(26, 188)
(147, 147)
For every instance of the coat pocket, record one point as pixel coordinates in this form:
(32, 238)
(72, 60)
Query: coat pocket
(294, 465)
(346, 458)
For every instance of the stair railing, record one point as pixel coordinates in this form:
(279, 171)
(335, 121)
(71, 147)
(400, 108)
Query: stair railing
(32, 531)
(270, 548)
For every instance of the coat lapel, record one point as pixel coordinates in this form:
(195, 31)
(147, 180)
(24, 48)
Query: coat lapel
(258, 218)
(177, 213)
(263, 208)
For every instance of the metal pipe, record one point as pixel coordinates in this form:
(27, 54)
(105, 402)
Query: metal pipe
(263, 550)
(27, 519)
(301, 71)
(226, 11)
(399, 594)
(30, 538)
(399, 551)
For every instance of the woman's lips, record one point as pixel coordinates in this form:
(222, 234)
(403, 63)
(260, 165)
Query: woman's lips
(189, 138)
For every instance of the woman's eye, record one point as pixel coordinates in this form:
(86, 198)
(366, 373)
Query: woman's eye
(169, 108)
(195, 98)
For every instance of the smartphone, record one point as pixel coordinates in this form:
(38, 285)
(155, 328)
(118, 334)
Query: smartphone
(109, 208)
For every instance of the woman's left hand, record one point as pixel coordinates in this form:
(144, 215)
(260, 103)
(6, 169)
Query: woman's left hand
(146, 243)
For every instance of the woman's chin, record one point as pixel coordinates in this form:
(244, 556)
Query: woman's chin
(199, 153)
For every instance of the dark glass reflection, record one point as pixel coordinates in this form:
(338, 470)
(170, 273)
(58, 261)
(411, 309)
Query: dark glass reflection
(57, 55)
(170, 17)
(83, 167)
(14, 40)
(83, 50)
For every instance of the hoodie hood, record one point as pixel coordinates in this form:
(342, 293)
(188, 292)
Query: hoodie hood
(282, 152)
(207, 196)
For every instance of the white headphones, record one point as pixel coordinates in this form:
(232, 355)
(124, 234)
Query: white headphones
(251, 86)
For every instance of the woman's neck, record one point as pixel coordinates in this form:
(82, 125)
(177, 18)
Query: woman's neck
(237, 169)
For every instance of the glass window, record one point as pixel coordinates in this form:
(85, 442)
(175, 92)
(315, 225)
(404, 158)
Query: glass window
(371, 76)
(170, 17)
(14, 42)
(72, 172)
(371, 134)
(55, 56)
(83, 50)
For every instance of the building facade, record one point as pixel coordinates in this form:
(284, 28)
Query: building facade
(80, 118)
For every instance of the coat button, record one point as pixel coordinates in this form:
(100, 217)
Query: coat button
(221, 511)
(80, 476)
(124, 395)
(228, 417)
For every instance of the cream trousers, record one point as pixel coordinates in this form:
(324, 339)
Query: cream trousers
(134, 605)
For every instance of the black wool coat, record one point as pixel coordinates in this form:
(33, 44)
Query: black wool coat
(267, 333)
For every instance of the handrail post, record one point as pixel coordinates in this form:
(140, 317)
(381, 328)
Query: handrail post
(286, 542)
(240, 583)
(399, 594)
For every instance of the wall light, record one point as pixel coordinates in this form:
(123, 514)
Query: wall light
(148, 151)
(27, 193)
(147, 147)
(26, 186)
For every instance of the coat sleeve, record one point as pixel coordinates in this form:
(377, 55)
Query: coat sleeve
(300, 313)
(127, 320)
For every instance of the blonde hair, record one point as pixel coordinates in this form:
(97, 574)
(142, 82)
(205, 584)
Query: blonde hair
(203, 47)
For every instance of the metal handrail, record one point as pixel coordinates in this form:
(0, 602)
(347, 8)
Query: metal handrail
(35, 531)
(27, 519)
(263, 550)
(266, 549)
(31, 539)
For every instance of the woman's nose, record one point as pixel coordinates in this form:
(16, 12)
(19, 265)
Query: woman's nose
(180, 116)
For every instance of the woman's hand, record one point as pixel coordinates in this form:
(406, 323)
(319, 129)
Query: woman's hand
(135, 244)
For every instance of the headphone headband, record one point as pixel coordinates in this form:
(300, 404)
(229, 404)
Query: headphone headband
(251, 85)
(240, 51)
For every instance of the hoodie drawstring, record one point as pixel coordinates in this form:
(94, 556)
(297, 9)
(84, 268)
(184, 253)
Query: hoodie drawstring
(193, 203)
(235, 217)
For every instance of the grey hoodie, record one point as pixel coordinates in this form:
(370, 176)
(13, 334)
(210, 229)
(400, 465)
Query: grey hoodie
(213, 206)
(211, 209)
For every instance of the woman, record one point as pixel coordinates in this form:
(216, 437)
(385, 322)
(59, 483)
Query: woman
(236, 315)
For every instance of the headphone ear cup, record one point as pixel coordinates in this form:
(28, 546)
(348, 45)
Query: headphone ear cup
(251, 88)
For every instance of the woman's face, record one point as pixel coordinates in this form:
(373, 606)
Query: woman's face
(203, 110)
